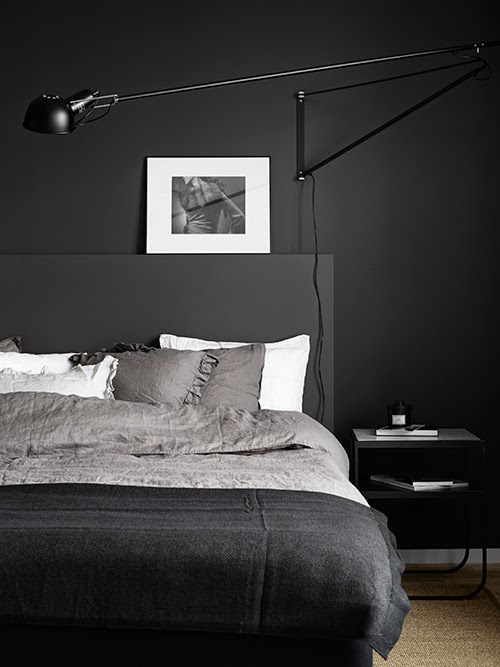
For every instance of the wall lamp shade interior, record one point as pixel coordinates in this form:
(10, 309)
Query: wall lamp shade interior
(52, 114)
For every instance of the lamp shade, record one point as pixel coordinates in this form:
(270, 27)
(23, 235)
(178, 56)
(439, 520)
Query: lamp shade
(51, 114)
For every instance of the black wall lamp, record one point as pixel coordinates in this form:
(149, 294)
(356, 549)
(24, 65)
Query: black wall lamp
(52, 114)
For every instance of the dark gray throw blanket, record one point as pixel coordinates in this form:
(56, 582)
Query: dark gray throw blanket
(233, 560)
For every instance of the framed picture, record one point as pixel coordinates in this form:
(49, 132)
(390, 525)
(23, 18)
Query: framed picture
(208, 205)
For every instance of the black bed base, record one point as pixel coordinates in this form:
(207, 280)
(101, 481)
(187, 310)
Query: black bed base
(93, 647)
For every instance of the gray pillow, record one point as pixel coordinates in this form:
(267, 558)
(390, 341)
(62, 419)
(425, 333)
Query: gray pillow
(10, 344)
(235, 381)
(150, 375)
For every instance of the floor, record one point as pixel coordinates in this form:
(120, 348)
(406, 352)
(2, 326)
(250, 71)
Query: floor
(468, 575)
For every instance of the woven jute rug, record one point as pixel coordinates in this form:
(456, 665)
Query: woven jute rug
(443, 633)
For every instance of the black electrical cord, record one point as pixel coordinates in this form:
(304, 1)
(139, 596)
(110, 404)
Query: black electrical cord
(321, 331)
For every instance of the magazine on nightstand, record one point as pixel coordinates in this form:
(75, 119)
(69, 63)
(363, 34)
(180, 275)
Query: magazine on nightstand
(421, 482)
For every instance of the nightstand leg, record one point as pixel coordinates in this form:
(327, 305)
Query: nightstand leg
(450, 570)
(484, 567)
(467, 596)
(464, 560)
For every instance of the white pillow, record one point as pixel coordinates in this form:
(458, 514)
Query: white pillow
(284, 372)
(88, 381)
(35, 363)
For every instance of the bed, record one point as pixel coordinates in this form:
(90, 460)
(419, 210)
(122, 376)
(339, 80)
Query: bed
(236, 538)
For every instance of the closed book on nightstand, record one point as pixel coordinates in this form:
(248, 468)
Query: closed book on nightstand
(413, 430)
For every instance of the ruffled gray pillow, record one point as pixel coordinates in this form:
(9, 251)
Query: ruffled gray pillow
(10, 344)
(235, 381)
(150, 375)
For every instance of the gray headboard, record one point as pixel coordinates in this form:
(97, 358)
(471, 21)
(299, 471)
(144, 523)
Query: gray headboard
(84, 302)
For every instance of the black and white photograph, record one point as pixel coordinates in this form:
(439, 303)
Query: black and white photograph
(249, 334)
(208, 205)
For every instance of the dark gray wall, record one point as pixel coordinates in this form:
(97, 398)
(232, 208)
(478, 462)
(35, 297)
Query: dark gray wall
(411, 217)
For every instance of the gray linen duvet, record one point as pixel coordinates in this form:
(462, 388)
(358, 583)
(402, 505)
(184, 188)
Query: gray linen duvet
(103, 522)
(48, 438)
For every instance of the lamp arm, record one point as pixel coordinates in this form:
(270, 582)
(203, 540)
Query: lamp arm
(307, 172)
(51, 114)
(115, 98)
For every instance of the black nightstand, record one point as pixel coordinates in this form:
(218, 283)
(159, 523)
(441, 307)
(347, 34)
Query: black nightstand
(472, 455)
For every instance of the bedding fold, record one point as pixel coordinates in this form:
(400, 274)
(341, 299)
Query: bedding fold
(42, 423)
(48, 438)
